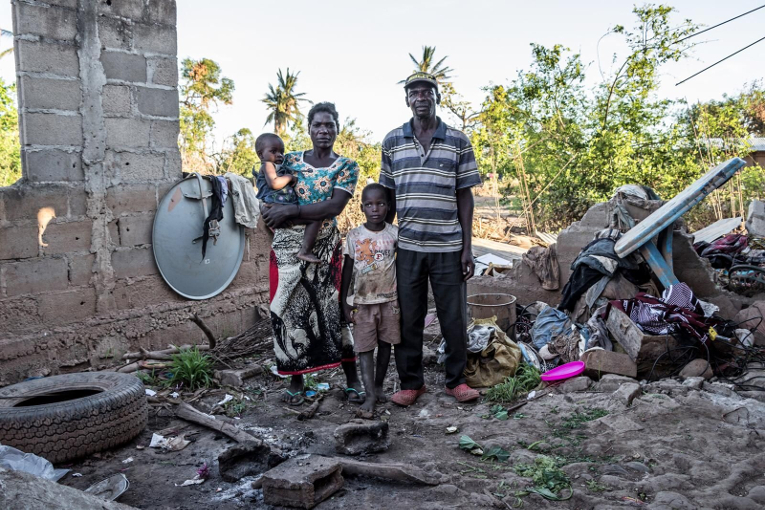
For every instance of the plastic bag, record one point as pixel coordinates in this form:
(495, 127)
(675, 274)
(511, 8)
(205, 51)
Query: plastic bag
(16, 460)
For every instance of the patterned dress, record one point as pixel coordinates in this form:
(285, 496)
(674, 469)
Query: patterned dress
(305, 298)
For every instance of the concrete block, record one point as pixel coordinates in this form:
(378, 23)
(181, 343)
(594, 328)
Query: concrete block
(78, 202)
(18, 242)
(72, 4)
(51, 22)
(133, 262)
(609, 383)
(124, 66)
(37, 57)
(608, 362)
(81, 268)
(46, 93)
(116, 100)
(581, 383)
(697, 368)
(17, 315)
(34, 276)
(627, 393)
(302, 483)
(127, 132)
(24, 202)
(157, 102)
(129, 198)
(66, 307)
(162, 71)
(115, 33)
(161, 11)
(135, 230)
(51, 165)
(236, 378)
(164, 134)
(141, 167)
(152, 290)
(114, 232)
(755, 219)
(750, 318)
(174, 164)
(249, 458)
(361, 436)
(51, 129)
(155, 39)
(132, 9)
(67, 237)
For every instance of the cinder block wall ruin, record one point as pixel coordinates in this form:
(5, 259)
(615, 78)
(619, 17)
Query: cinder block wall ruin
(98, 115)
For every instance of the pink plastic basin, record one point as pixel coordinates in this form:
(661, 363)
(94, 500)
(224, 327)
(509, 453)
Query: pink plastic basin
(566, 371)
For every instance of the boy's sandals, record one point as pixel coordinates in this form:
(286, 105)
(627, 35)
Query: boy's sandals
(407, 397)
(359, 397)
(293, 399)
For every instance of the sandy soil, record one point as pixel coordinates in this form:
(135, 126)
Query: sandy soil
(676, 446)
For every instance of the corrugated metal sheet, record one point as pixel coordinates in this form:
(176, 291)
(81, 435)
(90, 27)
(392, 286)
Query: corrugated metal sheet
(548, 238)
(716, 230)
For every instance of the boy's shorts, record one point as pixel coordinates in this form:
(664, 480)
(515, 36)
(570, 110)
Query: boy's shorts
(380, 321)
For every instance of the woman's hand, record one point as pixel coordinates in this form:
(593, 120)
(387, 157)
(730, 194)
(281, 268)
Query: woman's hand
(278, 216)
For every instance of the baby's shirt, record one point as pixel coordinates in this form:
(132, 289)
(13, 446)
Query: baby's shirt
(267, 194)
(374, 264)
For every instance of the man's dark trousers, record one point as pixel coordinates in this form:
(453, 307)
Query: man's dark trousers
(444, 269)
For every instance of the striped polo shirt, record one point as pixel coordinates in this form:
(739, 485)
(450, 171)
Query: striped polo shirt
(426, 184)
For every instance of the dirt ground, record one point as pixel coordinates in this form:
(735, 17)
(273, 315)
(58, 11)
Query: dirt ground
(680, 445)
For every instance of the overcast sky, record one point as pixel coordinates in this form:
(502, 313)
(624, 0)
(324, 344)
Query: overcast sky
(354, 53)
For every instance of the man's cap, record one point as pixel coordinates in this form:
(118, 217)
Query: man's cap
(421, 77)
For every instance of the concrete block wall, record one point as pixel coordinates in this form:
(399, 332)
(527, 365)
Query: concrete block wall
(98, 116)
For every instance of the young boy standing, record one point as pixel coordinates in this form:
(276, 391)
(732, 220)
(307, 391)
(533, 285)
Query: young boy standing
(370, 253)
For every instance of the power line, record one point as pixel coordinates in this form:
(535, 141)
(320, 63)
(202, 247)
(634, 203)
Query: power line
(719, 24)
(721, 60)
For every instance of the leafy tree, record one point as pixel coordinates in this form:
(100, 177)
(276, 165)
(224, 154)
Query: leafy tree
(203, 88)
(283, 102)
(10, 146)
(239, 155)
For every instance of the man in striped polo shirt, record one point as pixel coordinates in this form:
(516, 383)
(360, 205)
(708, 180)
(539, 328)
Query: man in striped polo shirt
(429, 169)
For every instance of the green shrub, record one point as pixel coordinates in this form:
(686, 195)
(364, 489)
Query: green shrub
(192, 369)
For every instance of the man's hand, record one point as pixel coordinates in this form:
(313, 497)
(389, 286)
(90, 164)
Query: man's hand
(277, 216)
(348, 312)
(468, 265)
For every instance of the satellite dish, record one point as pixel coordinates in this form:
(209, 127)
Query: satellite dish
(177, 241)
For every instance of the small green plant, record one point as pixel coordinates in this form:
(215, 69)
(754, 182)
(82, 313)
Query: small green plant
(234, 408)
(549, 480)
(148, 379)
(594, 486)
(526, 378)
(192, 369)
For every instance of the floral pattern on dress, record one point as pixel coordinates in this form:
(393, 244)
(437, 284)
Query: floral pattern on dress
(316, 184)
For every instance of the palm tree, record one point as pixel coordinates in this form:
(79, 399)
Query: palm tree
(426, 65)
(283, 102)
(6, 33)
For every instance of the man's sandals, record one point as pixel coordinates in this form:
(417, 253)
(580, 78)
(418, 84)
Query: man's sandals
(354, 396)
(463, 393)
(293, 399)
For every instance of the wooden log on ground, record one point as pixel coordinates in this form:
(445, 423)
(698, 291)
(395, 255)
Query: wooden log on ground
(189, 413)
(308, 413)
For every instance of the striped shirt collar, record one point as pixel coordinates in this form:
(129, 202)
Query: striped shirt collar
(440, 133)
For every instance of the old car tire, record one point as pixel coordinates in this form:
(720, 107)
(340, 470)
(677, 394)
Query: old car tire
(65, 417)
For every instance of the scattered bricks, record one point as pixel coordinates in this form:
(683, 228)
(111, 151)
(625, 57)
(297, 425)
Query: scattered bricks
(600, 362)
(302, 483)
(34, 276)
(49, 22)
(162, 71)
(575, 384)
(52, 165)
(81, 269)
(124, 66)
(127, 132)
(161, 11)
(114, 33)
(135, 230)
(116, 100)
(59, 308)
(249, 458)
(35, 57)
(47, 93)
(18, 242)
(51, 129)
(644, 349)
(627, 393)
(18, 315)
(130, 198)
(157, 102)
(697, 368)
(24, 202)
(609, 383)
(155, 39)
(67, 237)
(236, 378)
(164, 134)
(362, 436)
(141, 167)
(133, 262)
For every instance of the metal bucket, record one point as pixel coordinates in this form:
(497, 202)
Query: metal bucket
(501, 306)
